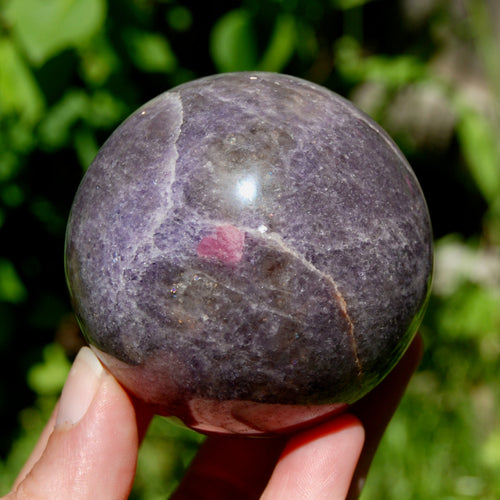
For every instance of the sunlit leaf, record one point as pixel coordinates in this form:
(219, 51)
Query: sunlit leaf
(55, 128)
(232, 42)
(471, 312)
(481, 150)
(47, 377)
(397, 71)
(151, 52)
(281, 45)
(98, 60)
(348, 4)
(348, 58)
(99, 110)
(392, 71)
(11, 287)
(104, 110)
(86, 147)
(491, 451)
(233, 45)
(19, 92)
(165, 453)
(9, 164)
(46, 27)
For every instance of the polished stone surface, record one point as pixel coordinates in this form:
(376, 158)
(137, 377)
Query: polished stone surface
(249, 240)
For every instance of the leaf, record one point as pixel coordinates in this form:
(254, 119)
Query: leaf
(393, 71)
(179, 18)
(12, 195)
(98, 60)
(348, 4)
(151, 52)
(281, 45)
(46, 27)
(104, 110)
(11, 287)
(47, 378)
(86, 147)
(55, 128)
(471, 312)
(480, 148)
(491, 450)
(232, 42)
(19, 92)
(99, 110)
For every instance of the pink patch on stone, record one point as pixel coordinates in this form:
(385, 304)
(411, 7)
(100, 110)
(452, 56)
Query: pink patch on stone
(225, 245)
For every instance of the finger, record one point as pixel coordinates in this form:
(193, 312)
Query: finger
(92, 450)
(226, 468)
(318, 463)
(38, 449)
(377, 408)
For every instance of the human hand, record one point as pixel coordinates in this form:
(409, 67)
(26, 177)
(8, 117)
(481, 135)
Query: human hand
(88, 450)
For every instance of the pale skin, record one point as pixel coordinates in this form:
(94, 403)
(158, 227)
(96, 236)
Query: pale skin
(88, 449)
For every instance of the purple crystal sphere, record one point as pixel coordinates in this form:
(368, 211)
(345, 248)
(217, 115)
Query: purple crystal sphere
(249, 252)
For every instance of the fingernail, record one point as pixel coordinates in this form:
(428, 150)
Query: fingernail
(80, 388)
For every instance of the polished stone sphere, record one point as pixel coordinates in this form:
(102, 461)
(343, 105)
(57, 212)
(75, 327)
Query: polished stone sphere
(249, 252)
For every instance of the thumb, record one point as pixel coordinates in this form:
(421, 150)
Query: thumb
(89, 447)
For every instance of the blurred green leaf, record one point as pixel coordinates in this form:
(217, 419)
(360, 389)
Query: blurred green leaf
(281, 45)
(104, 110)
(19, 92)
(234, 47)
(12, 195)
(9, 163)
(179, 18)
(348, 4)
(232, 42)
(471, 312)
(86, 146)
(165, 454)
(47, 378)
(55, 128)
(99, 110)
(151, 52)
(11, 287)
(483, 28)
(17, 139)
(44, 28)
(45, 211)
(397, 71)
(393, 71)
(491, 451)
(98, 60)
(481, 150)
(32, 421)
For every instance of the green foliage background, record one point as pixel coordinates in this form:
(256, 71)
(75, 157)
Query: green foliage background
(428, 71)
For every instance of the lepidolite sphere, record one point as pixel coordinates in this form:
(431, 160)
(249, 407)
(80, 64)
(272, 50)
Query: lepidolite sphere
(249, 251)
